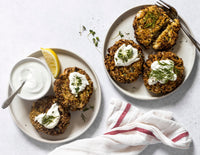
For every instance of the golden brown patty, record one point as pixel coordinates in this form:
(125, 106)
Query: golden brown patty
(147, 24)
(63, 92)
(153, 27)
(168, 37)
(159, 88)
(124, 74)
(42, 106)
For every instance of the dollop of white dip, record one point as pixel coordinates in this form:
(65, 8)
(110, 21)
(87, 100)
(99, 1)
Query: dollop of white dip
(162, 71)
(126, 55)
(50, 119)
(78, 82)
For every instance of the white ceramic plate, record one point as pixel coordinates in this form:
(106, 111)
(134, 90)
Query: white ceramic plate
(20, 108)
(183, 48)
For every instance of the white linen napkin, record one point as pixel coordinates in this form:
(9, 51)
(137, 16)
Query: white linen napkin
(130, 131)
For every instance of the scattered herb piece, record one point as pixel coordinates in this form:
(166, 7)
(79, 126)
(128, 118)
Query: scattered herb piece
(94, 41)
(96, 44)
(83, 28)
(77, 89)
(88, 108)
(85, 109)
(92, 32)
(91, 107)
(97, 38)
(78, 81)
(120, 34)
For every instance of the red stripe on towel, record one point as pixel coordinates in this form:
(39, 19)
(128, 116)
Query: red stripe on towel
(185, 134)
(122, 115)
(134, 129)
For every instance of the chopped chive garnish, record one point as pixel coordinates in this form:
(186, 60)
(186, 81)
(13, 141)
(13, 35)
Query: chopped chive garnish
(91, 107)
(97, 38)
(150, 20)
(83, 28)
(125, 57)
(120, 34)
(85, 109)
(77, 89)
(96, 44)
(47, 119)
(94, 41)
(92, 32)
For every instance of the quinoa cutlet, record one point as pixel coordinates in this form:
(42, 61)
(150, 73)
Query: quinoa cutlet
(168, 37)
(42, 106)
(158, 88)
(148, 24)
(63, 92)
(124, 74)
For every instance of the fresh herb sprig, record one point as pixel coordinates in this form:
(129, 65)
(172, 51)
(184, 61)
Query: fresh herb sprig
(125, 57)
(92, 32)
(120, 34)
(83, 28)
(77, 83)
(77, 90)
(84, 110)
(88, 108)
(95, 39)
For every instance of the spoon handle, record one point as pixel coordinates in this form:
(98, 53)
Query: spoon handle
(7, 102)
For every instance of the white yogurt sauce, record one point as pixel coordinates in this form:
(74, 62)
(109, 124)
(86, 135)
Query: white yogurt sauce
(126, 55)
(51, 118)
(162, 71)
(78, 82)
(37, 78)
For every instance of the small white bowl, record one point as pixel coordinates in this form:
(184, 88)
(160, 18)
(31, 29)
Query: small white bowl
(37, 75)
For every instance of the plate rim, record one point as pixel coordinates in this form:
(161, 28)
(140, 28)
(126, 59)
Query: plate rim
(105, 51)
(89, 124)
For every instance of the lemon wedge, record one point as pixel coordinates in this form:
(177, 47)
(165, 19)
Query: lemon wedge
(52, 61)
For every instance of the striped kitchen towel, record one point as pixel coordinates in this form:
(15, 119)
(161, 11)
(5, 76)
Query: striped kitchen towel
(129, 132)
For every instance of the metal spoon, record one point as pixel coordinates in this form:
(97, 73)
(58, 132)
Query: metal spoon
(7, 102)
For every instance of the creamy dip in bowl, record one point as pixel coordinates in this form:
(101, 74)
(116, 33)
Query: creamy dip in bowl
(37, 77)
